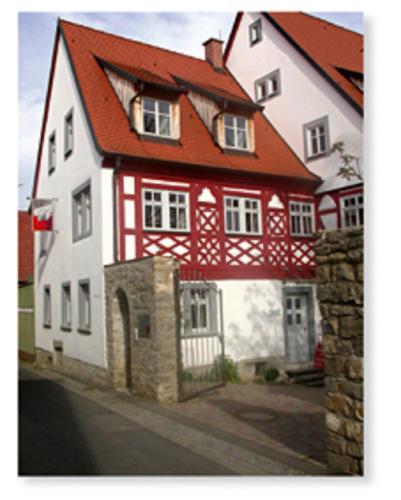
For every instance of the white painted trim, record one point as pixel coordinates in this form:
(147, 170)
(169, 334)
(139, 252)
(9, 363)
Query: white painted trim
(165, 183)
(165, 211)
(240, 190)
(242, 232)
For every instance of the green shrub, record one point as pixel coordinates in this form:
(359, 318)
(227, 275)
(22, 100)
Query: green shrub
(271, 374)
(229, 368)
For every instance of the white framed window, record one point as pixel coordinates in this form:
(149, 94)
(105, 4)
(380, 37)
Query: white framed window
(199, 308)
(165, 210)
(81, 212)
(236, 132)
(255, 32)
(84, 306)
(52, 153)
(68, 134)
(156, 117)
(301, 218)
(316, 138)
(267, 87)
(242, 215)
(47, 307)
(352, 210)
(66, 305)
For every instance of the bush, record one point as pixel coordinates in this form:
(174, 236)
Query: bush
(229, 368)
(271, 374)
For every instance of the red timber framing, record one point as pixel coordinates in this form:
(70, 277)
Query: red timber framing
(329, 204)
(206, 247)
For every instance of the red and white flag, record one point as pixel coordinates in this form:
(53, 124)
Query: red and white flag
(42, 215)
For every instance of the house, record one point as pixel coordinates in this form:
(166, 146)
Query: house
(26, 326)
(308, 74)
(148, 152)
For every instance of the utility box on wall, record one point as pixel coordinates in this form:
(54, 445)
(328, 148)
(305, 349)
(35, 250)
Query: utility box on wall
(143, 325)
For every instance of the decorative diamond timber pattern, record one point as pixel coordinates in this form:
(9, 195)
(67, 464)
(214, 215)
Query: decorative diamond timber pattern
(208, 243)
(240, 251)
(302, 253)
(276, 223)
(278, 253)
(171, 245)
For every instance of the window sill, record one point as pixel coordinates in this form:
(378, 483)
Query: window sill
(159, 139)
(65, 328)
(83, 330)
(248, 235)
(163, 230)
(268, 97)
(317, 157)
(46, 325)
(238, 152)
(81, 237)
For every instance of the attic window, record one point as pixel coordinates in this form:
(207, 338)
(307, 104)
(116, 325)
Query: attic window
(156, 117)
(236, 132)
(255, 32)
(268, 86)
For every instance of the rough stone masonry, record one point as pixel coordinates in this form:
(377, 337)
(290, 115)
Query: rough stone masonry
(339, 276)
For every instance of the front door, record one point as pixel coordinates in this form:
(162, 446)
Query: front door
(298, 326)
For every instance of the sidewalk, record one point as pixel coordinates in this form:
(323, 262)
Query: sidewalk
(205, 426)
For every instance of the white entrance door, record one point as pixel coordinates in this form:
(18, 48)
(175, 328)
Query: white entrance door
(296, 319)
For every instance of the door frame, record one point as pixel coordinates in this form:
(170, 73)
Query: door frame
(300, 290)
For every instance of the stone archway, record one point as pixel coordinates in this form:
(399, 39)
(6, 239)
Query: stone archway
(122, 341)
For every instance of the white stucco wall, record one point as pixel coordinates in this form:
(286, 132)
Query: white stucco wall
(65, 260)
(305, 96)
(253, 317)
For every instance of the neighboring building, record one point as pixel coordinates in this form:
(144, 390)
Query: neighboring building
(26, 321)
(147, 151)
(308, 74)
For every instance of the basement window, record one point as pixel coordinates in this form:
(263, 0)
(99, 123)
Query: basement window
(66, 306)
(47, 311)
(84, 306)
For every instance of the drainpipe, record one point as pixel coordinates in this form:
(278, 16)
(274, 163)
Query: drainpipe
(116, 171)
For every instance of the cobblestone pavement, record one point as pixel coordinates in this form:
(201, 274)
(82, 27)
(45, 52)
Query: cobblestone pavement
(288, 419)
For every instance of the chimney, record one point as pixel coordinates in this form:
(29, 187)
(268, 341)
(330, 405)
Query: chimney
(214, 52)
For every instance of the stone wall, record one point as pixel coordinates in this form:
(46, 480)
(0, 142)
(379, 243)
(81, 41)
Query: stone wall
(339, 275)
(141, 321)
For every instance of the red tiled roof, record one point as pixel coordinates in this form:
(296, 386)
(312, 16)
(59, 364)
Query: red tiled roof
(110, 125)
(329, 46)
(25, 246)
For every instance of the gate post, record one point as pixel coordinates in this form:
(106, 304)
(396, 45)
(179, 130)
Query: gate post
(151, 286)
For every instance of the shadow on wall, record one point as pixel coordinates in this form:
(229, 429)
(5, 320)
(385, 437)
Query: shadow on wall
(263, 334)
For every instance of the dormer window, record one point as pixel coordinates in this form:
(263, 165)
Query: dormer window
(156, 117)
(236, 132)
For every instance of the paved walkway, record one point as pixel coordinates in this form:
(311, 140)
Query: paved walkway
(213, 428)
(288, 419)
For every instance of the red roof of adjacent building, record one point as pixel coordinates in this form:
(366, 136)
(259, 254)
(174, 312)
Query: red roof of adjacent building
(87, 47)
(25, 247)
(330, 47)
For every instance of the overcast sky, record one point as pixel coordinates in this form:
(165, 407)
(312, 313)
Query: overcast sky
(184, 32)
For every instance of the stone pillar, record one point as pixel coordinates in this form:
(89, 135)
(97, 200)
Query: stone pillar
(142, 349)
(339, 275)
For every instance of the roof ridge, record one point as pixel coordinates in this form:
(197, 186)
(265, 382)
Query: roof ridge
(331, 23)
(126, 39)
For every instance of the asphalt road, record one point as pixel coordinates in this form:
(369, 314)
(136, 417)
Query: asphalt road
(62, 433)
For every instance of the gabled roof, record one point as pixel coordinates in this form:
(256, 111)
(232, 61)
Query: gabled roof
(25, 247)
(328, 47)
(87, 48)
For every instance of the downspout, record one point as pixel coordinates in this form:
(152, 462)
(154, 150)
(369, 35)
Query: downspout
(116, 234)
